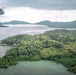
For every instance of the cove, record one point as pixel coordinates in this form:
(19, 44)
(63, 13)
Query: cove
(3, 50)
(43, 67)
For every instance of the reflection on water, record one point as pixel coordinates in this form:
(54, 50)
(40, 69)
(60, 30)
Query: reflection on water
(22, 29)
(4, 49)
(36, 68)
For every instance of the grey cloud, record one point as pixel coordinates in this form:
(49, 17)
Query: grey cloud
(44, 4)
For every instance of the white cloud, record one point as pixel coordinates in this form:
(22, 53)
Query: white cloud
(34, 15)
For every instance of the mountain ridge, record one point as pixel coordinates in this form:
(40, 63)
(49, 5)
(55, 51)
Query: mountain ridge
(71, 24)
(48, 23)
(16, 22)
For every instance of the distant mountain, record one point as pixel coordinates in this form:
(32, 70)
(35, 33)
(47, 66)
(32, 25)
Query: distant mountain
(16, 22)
(58, 24)
(48, 23)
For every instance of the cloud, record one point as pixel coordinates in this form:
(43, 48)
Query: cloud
(35, 15)
(44, 4)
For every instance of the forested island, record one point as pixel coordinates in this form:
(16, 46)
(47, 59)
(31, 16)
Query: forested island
(57, 45)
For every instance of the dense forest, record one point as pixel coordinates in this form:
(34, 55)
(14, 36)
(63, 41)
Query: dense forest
(57, 45)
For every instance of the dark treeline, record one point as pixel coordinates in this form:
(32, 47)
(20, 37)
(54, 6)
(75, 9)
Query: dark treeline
(57, 45)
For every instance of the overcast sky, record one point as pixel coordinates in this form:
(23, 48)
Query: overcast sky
(38, 10)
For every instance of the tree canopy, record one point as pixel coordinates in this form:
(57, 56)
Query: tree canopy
(57, 45)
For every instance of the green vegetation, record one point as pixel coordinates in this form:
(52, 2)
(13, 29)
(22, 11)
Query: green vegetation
(57, 45)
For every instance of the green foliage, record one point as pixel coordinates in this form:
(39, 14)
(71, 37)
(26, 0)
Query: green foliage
(35, 58)
(57, 45)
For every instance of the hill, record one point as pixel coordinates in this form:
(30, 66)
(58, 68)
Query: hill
(58, 24)
(48, 23)
(57, 45)
(16, 22)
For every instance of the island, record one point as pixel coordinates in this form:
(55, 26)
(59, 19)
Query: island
(57, 45)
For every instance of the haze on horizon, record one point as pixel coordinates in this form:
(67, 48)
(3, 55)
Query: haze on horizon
(38, 10)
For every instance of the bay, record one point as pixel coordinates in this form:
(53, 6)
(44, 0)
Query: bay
(36, 68)
(25, 29)
(26, 67)
(22, 29)
(3, 50)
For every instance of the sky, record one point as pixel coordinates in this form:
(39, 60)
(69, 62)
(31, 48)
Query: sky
(38, 10)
